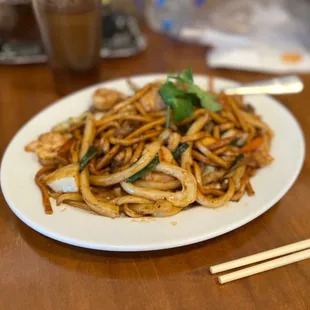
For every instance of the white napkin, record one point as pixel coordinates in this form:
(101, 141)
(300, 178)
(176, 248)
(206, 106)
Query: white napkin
(260, 59)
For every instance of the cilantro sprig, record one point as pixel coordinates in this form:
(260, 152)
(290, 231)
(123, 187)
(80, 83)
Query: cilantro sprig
(183, 95)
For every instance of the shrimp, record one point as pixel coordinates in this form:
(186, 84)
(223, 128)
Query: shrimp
(104, 98)
(151, 101)
(47, 147)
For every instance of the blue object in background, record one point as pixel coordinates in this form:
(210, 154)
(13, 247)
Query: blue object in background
(166, 25)
(160, 3)
(199, 3)
(171, 16)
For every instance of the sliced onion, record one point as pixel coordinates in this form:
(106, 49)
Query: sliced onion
(64, 180)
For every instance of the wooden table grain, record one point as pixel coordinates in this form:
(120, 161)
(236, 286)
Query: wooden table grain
(39, 273)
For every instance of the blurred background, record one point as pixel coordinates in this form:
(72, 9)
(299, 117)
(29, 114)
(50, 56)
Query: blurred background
(269, 36)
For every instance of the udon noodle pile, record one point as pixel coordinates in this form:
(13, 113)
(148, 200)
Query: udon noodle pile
(119, 158)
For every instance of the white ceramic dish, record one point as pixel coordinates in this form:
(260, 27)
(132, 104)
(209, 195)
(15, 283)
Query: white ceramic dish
(80, 228)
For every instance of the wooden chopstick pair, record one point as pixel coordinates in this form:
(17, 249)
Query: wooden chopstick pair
(300, 250)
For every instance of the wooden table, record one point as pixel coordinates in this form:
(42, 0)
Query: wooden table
(39, 273)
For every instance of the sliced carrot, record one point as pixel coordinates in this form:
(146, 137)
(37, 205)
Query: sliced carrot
(252, 145)
(291, 57)
(220, 143)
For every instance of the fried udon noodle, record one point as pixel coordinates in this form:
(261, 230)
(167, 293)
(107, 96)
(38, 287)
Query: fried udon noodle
(120, 158)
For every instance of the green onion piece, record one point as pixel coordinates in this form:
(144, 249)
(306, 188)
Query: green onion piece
(234, 142)
(168, 117)
(179, 150)
(146, 169)
(176, 154)
(90, 154)
(236, 161)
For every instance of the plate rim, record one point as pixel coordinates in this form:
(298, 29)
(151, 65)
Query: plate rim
(163, 244)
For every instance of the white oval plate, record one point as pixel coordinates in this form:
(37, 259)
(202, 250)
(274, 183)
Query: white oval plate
(83, 229)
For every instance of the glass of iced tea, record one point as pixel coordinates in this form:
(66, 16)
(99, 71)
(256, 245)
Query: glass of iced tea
(71, 33)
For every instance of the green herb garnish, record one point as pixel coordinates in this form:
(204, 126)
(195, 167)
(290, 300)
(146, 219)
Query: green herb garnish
(176, 100)
(206, 99)
(90, 154)
(168, 91)
(184, 94)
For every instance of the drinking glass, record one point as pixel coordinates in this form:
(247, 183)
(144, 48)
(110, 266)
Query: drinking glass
(71, 33)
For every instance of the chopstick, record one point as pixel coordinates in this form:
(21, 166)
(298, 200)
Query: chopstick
(287, 249)
(279, 262)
